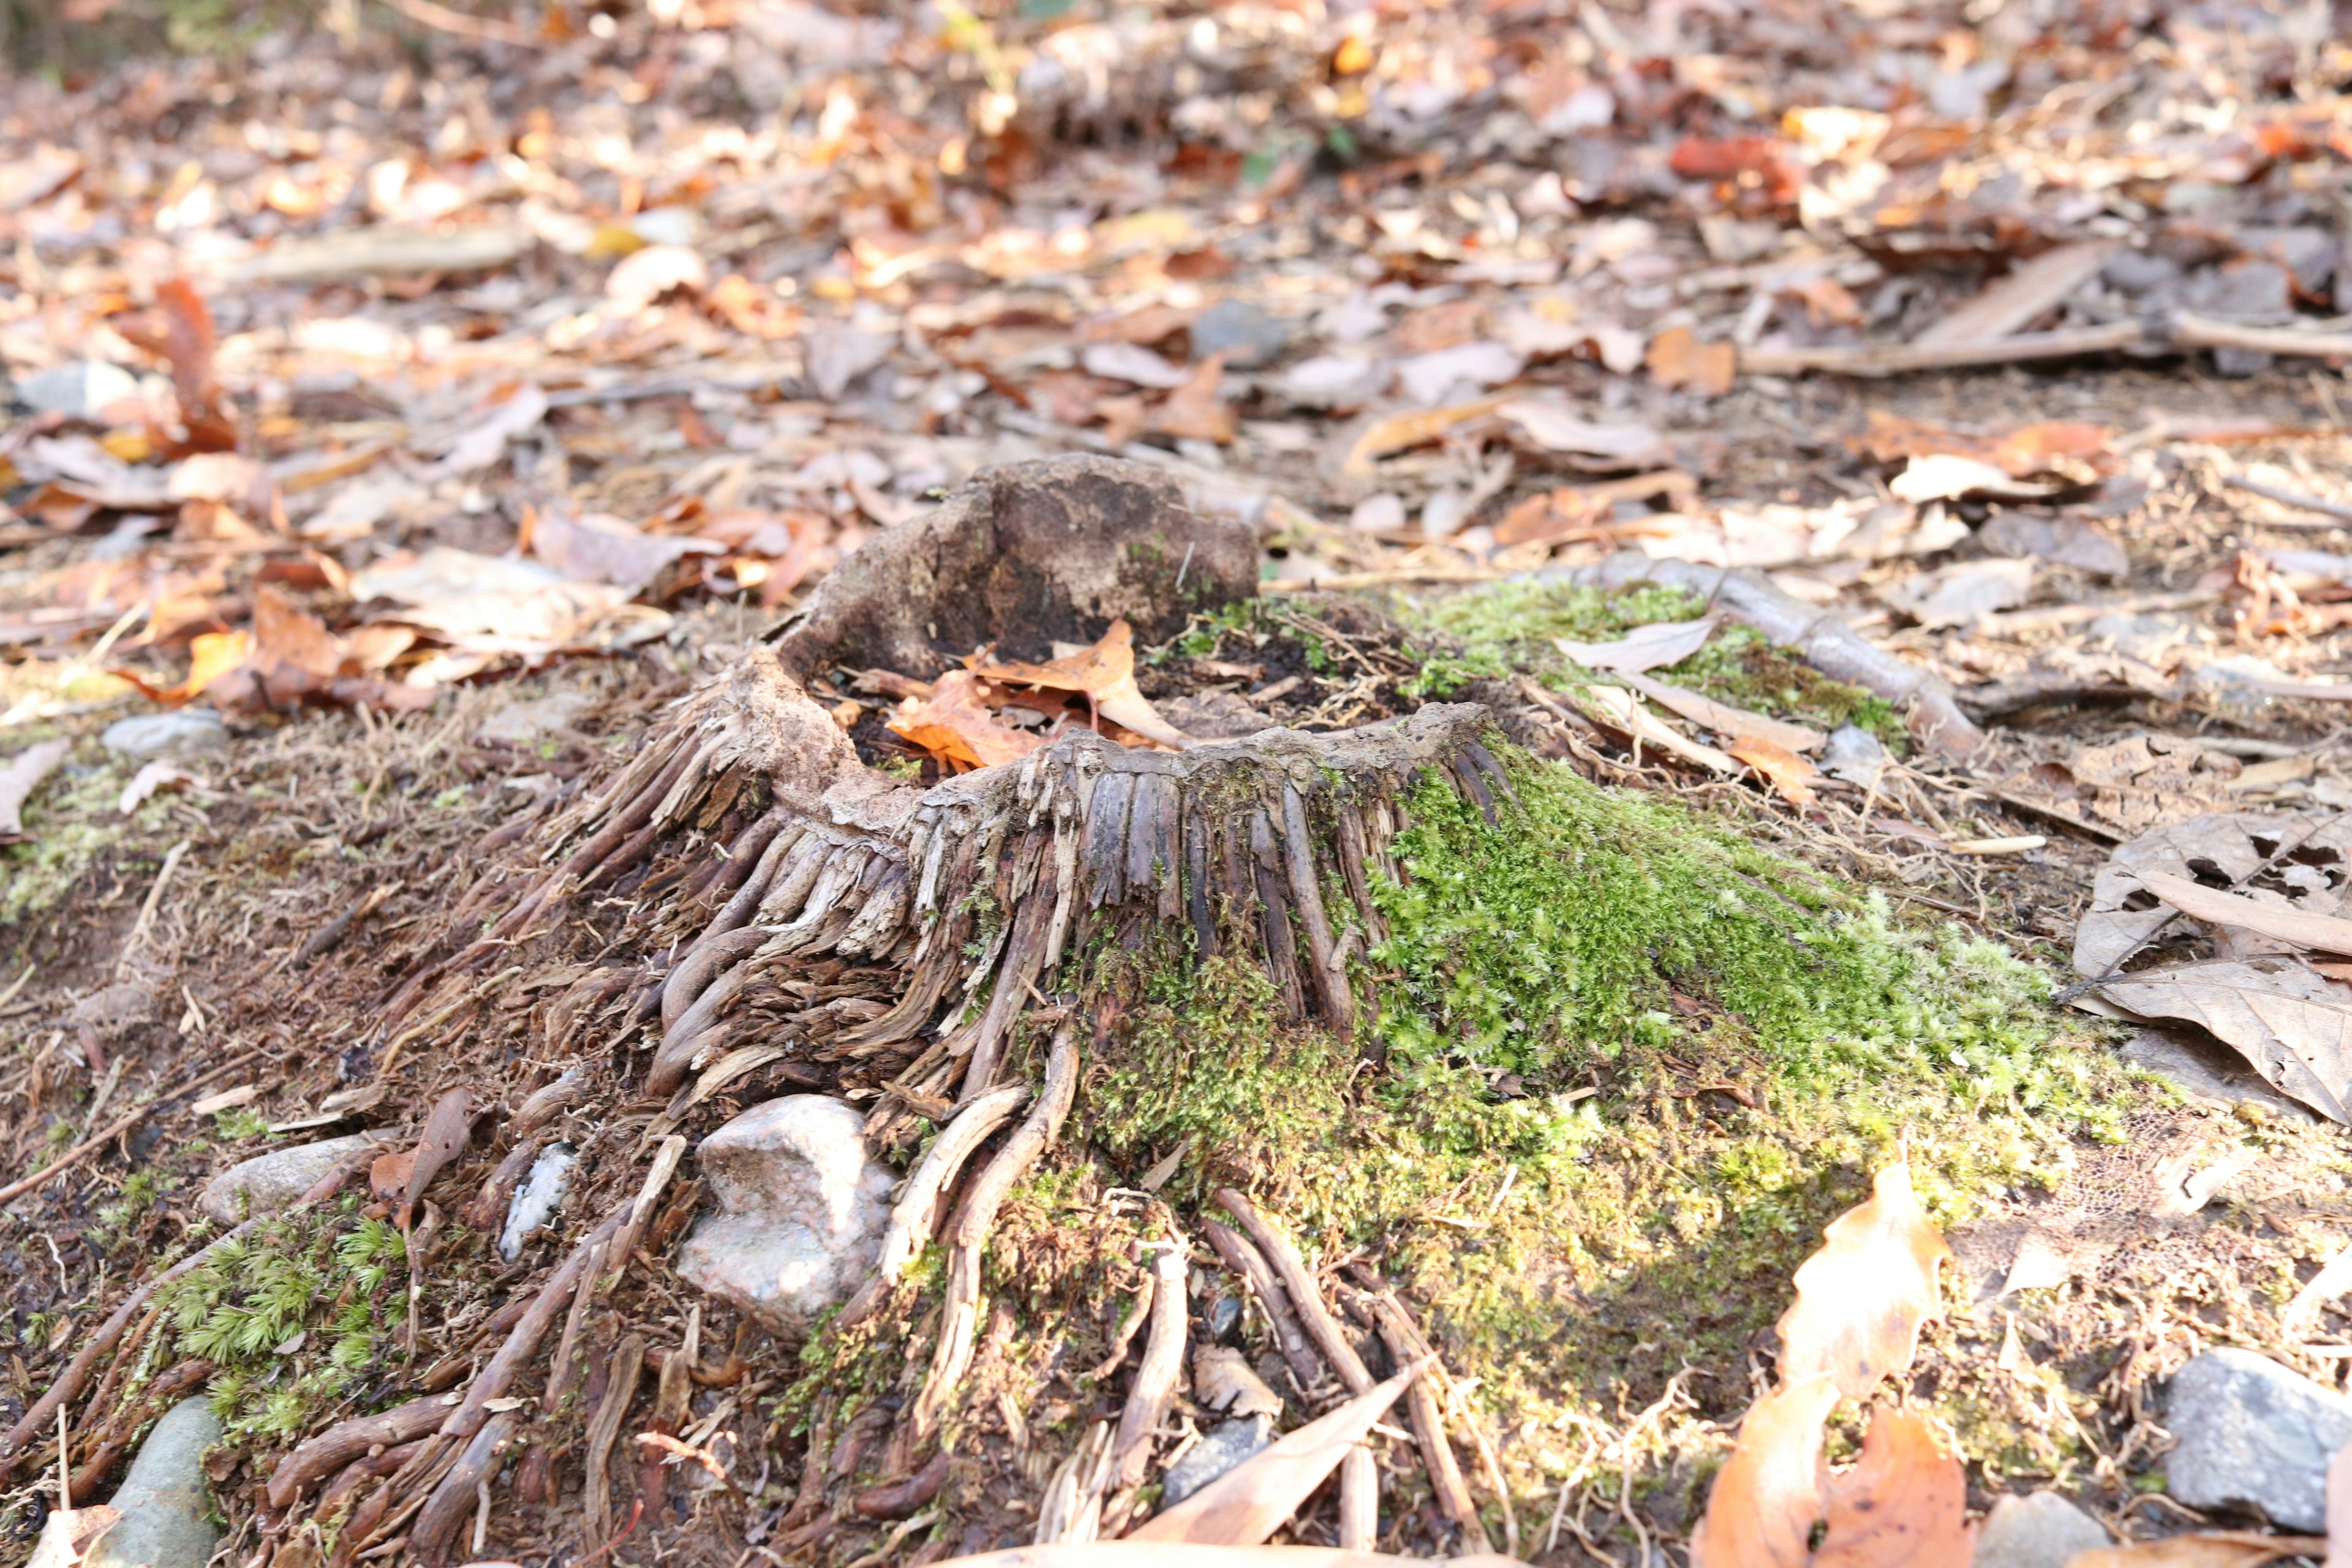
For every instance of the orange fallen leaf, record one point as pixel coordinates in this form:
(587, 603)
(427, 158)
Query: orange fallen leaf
(1677, 358)
(211, 655)
(2051, 444)
(447, 1131)
(1197, 409)
(1767, 1497)
(1903, 1505)
(388, 1176)
(1105, 675)
(1790, 772)
(953, 724)
(1862, 1298)
(1399, 431)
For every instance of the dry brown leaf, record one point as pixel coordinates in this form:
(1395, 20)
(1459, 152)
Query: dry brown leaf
(2290, 1025)
(1677, 358)
(1399, 431)
(1862, 1298)
(1903, 1505)
(1643, 647)
(2208, 1549)
(1250, 1502)
(1767, 1495)
(2057, 446)
(1197, 409)
(1103, 673)
(211, 655)
(1791, 774)
(2199, 902)
(445, 1133)
(954, 725)
(1724, 719)
(388, 1176)
(1621, 710)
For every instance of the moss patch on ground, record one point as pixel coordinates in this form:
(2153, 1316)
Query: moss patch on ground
(1508, 629)
(1633, 1066)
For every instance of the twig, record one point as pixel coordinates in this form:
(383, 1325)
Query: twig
(1246, 1260)
(147, 910)
(1895, 359)
(326, 936)
(2284, 497)
(628, 1361)
(1405, 1343)
(2193, 330)
(18, 1189)
(1304, 1295)
(1155, 1377)
(481, 29)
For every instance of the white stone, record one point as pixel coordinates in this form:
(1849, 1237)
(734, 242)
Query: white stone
(537, 1200)
(801, 1209)
(274, 1181)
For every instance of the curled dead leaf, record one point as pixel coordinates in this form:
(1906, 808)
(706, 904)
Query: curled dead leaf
(1862, 1299)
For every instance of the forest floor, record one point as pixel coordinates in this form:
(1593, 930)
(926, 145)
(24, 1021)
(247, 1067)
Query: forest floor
(436, 397)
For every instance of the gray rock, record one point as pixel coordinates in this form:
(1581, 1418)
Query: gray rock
(272, 1181)
(2248, 1432)
(1221, 1448)
(189, 732)
(801, 1209)
(536, 1201)
(1245, 334)
(82, 390)
(2044, 1530)
(2250, 287)
(166, 1507)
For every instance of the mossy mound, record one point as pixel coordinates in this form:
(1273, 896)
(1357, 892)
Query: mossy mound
(1623, 1068)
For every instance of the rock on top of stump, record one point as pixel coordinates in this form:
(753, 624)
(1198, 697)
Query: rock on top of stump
(802, 1207)
(275, 1180)
(2249, 1433)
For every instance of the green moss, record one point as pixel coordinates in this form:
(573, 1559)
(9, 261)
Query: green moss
(1510, 628)
(70, 823)
(295, 1315)
(1631, 1065)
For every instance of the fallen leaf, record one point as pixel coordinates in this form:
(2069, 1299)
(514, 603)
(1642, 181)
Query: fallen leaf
(21, 777)
(1903, 1505)
(1197, 409)
(1105, 675)
(211, 655)
(595, 547)
(68, 1535)
(1621, 710)
(1959, 594)
(1725, 719)
(1677, 358)
(1223, 1380)
(1767, 1498)
(2324, 932)
(1133, 363)
(1791, 774)
(1250, 1502)
(954, 725)
(388, 1176)
(1648, 647)
(2058, 446)
(447, 1129)
(1399, 431)
(2292, 1025)
(1559, 429)
(2209, 1549)
(1863, 1297)
(153, 777)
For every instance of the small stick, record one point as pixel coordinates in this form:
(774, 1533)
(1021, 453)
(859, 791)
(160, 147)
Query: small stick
(640, 1213)
(1894, 359)
(559, 1371)
(326, 936)
(147, 910)
(523, 1342)
(1405, 1343)
(1246, 1260)
(1359, 1500)
(628, 1361)
(131, 1119)
(1155, 1378)
(2284, 497)
(1304, 1295)
(462, 1491)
